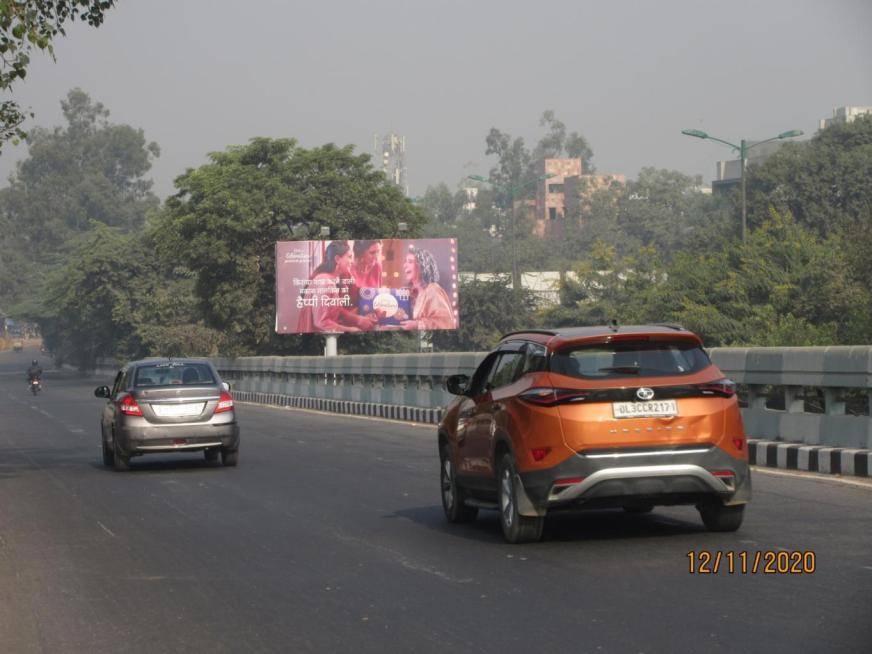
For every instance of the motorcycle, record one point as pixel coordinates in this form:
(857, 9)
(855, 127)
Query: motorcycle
(35, 386)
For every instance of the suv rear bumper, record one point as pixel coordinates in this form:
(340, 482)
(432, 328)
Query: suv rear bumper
(175, 438)
(650, 476)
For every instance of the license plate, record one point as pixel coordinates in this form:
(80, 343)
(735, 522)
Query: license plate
(177, 410)
(655, 408)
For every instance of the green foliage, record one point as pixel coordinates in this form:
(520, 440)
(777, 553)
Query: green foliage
(823, 182)
(488, 309)
(227, 215)
(90, 171)
(517, 166)
(661, 209)
(28, 25)
(441, 206)
(87, 311)
(784, 287)
(109, 301)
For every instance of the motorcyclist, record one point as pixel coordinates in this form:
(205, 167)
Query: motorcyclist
(34, 372)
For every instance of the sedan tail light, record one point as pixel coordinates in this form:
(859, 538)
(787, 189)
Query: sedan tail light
(128, 406)
(553, 396)
(225, 403)
(720, 387)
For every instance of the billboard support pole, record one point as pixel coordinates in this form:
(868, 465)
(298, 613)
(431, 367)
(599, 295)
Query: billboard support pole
(330, 346)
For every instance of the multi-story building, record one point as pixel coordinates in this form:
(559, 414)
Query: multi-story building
(562, 195)
(728, 172)
(550, 193)
(844, 115)
(390, 150)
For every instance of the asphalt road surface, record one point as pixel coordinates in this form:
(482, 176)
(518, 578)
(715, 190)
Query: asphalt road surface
(329, 537)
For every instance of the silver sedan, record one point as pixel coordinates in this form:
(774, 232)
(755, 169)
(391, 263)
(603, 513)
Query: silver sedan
(168, 405)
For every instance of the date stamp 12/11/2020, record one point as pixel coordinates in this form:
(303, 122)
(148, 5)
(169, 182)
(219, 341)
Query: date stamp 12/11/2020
(769, 562)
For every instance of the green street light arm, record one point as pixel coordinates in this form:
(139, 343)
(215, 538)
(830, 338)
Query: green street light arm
(783, 135)
(702, 135)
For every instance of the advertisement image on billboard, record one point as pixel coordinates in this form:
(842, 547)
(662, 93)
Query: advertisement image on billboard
(366, 285)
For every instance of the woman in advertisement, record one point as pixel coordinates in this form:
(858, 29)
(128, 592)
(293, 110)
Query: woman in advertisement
(367, 267)
(326, 303)
(431, 308)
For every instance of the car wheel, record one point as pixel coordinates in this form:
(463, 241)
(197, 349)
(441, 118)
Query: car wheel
(229, 458)
(453, 496)
(211, 455)
(108, 456)
(516, 528)
(718, 517)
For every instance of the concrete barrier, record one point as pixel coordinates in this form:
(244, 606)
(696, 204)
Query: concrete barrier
(811, 395)
(817, 396)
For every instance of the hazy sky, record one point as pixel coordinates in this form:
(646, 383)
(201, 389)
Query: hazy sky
(198, 75)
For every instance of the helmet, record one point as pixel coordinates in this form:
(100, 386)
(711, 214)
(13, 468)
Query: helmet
(34, 362)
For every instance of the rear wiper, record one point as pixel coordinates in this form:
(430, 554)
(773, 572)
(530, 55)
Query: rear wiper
(630, 370)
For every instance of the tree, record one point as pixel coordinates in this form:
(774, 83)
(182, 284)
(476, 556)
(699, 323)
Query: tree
(223, 223)
(103, 302)
(517, 166)
(785, 286)
(88, 171)
(557, 143)
(26, 25)
(441, 206)
(488, 309)
(823, 183)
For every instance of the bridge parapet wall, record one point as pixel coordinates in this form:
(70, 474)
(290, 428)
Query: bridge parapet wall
(813, 395)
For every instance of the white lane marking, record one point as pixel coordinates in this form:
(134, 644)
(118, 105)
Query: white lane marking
(76, 431)
(813, 476)
(867, 567)
(46, 414)
(106, 529)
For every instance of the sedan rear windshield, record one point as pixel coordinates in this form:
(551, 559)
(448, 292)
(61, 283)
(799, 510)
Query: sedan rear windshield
(174, 373)
(630, 359)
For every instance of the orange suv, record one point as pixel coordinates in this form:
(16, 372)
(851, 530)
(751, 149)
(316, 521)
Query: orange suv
(593, 417)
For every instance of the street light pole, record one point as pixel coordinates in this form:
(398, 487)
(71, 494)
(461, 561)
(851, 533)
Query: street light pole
(742, 149)
(743, 152)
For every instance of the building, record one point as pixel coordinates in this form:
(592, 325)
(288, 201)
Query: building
(728, 173)
(550, 192)
(844, 115)
(545, 285)
(471, 197)
(391, 152)
(562, 195)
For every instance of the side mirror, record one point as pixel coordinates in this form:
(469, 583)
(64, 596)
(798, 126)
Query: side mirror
(457, 384)
(225, 387)
(102, 391)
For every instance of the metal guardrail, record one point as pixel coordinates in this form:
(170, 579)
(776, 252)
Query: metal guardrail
(814, 395)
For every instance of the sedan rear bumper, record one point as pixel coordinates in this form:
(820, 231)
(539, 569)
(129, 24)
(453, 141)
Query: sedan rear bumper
(174, 438)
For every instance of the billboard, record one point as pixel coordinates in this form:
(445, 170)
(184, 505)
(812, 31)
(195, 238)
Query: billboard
(366, 285)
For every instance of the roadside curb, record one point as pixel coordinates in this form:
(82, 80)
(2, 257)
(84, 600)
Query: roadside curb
(810, 458)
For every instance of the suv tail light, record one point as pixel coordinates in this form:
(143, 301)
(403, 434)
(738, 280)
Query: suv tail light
(721, 387)
(225, 403)
(553, 396)
(128, 406)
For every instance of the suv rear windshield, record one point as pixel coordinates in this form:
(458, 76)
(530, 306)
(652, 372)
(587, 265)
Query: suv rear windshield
(174, 373)
(630, 359)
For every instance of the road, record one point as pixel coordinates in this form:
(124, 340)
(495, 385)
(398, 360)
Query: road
(329, 537)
